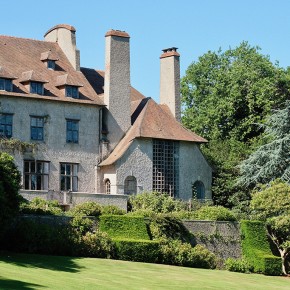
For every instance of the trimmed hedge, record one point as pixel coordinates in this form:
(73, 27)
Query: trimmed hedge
(256, 249)
(124, 227)
(137, 250)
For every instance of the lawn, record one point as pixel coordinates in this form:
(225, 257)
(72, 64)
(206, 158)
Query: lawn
(21, 271)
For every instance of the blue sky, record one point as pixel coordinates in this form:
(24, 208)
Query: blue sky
(194, 26)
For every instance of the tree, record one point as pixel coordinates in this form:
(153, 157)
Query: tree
(9, 189)
(271, 160)
(226, 97)
(272, 204)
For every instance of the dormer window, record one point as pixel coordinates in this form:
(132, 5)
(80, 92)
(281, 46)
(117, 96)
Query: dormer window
(72, 91)
(6, 85)
(36, 88)
(51, 64)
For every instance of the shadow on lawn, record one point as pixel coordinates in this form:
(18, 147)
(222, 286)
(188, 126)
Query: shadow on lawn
(8, 284)
(55, 263)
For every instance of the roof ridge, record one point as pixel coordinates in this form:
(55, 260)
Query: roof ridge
(142, 117)
(25, 38)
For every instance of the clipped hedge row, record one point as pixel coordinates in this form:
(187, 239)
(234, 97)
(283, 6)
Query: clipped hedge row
(256, 249)
(137, 250)
(124, 227)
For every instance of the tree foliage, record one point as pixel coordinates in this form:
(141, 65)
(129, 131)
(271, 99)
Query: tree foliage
(9, 189)
(271, 160)
(272, 204)
(226, 97)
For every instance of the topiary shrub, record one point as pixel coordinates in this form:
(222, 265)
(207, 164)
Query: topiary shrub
(142, 212)
(40, 206)
(256, 248)
(238, 265)
(112, 209)
(215, 213)
(124, 226)
(88, 208)
(137, 250)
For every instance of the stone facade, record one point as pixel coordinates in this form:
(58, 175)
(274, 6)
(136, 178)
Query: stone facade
(54, 147)
(115, 126)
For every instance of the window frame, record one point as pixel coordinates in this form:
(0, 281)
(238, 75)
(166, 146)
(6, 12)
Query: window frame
(107, 186)
(51, 64)
(39, 178)
(36, 88)
(6, 125)
(38, 128)
(74, 132)
(72, 91)
(69, 176)
(7, 85)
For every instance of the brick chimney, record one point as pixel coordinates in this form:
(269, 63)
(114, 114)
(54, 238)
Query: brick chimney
(65, 36)
(170, 81)
(117, 88)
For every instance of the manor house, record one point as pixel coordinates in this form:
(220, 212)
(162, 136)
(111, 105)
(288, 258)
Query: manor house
(95, 136)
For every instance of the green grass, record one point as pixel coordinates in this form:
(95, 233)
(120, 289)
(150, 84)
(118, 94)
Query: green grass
(21, 271)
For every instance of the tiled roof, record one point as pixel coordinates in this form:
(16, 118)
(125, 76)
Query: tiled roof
(5, 73)
(153, 121)
(21, 57)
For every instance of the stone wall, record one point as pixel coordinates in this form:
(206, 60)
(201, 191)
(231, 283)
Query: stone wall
(222, 238)
(71, 199)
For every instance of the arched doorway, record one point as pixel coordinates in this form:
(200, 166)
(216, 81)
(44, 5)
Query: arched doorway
(130, 186)
(198, 190)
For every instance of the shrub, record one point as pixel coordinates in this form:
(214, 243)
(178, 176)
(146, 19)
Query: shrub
(112, 209)
(40, 206)
(81, 224)
(157, 202)
(124, 226)
(97, 245)
(256, 249)
(165, 226)
(88, 208)
(216, 213)
(137, 250)
(174, 252)
(142, 212)
(238, 265)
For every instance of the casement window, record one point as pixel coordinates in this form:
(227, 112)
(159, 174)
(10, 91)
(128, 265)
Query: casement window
(130, 186)
(6, 84)
(72, 91)
(36, 128)
(69, 176)
(51, 64)
(6, 125)
(107, 186)
(36, 175)
(36, 88)
(72, 131)
(165, 166)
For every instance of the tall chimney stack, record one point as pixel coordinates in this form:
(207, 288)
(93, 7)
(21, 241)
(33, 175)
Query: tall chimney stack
(117, 88)
(170, 81)
(65, 36)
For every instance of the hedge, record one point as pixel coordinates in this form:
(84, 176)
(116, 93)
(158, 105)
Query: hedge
(137, 250)
(124, 227)
(256, 249)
